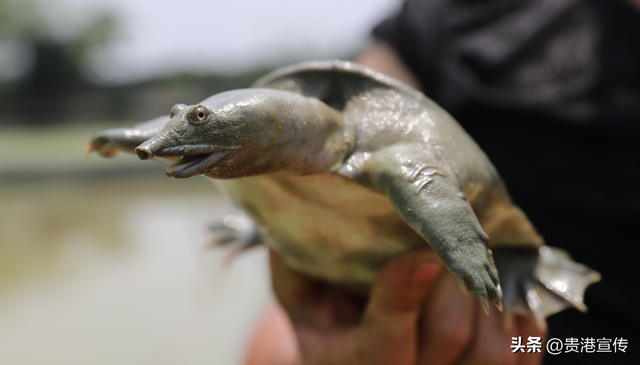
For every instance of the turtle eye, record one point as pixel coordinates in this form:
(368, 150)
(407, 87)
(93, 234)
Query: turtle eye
(176, 109)
(199, 114)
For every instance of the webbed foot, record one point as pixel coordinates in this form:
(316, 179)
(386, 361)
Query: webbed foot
(542, 282)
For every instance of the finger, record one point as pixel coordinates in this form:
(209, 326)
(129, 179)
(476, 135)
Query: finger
(295, 291)
(492, 344)
(274, 342)
(447, 323)
(529, 328)
(389, 325)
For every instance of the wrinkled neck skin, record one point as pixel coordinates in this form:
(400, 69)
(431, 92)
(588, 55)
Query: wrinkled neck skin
(288, 134)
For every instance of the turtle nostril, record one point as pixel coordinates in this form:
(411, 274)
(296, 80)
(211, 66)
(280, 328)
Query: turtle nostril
(143, 154)
(150, 148)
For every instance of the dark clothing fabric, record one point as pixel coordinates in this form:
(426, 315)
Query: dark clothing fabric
(550, 89)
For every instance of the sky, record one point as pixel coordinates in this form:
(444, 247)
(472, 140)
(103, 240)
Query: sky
(162, 37)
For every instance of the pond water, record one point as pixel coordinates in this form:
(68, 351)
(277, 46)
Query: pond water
(114, 265)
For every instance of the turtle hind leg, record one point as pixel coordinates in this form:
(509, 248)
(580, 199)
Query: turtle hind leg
(236, 231)
(541, 282)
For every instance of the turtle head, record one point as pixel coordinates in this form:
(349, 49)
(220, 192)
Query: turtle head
(237, 133)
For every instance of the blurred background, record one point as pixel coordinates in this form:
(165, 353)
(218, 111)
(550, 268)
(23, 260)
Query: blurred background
(108, 261)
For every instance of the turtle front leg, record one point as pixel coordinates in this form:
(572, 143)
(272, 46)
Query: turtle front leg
(109, 142)
(432, 205)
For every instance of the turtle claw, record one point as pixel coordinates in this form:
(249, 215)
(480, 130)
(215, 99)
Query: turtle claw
(498, 304)
(483, 299)
(463, 286)
(484, 303)
(477, 274)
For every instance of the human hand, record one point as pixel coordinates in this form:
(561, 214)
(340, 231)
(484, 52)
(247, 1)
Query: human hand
(416, 314)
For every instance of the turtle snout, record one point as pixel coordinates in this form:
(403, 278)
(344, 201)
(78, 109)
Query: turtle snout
(143, 153)
(149, 148)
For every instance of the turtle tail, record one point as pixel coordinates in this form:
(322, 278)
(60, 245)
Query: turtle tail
(541, 282)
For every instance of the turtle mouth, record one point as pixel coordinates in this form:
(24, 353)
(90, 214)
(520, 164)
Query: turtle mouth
(191, 165)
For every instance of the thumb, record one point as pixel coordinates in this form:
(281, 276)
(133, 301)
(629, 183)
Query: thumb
(389, 327)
